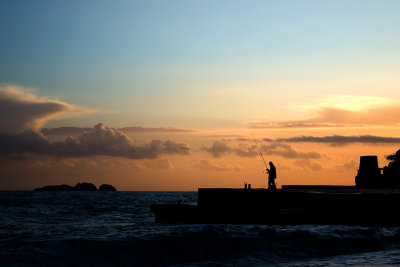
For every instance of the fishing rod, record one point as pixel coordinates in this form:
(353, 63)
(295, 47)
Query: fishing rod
(259, 150)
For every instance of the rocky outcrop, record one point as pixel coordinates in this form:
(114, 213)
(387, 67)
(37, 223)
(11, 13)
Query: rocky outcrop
(85, 187)
(78, 187)
(107, 187)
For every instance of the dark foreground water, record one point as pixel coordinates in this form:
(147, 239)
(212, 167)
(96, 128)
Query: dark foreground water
(117, 229)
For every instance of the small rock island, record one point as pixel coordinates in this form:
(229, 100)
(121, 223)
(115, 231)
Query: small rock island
(107, 187)
(78, 187)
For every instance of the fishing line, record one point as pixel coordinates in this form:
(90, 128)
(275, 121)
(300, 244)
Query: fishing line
(259, 150)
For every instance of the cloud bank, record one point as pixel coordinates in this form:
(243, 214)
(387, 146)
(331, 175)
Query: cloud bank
(286, 151)
(134, 129)
(99, 141)
(21, 110)
(139, 129)
(218, 149)
(65, 130)
(342, 140)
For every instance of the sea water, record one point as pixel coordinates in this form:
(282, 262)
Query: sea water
(118, 229)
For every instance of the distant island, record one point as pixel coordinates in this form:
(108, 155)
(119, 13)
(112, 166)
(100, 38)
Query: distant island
(78, 187)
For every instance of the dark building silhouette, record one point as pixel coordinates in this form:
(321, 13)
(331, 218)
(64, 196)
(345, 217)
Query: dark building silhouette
(371, 176)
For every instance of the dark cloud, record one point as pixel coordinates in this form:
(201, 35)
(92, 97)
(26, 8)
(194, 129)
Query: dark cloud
(267, 140)
(243, 139)
(307, 164)
(219, 149)
(20, 110)
(351, 165)
(251, 140)
(226, 136)
(139, 129)
(64, 131)
(99, 141)
(245, 150)
(286, 151)
(293, 124)
(342, 140)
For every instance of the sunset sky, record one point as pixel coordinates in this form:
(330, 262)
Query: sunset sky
(167, 95)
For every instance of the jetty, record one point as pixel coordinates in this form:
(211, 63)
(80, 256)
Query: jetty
(374, 200)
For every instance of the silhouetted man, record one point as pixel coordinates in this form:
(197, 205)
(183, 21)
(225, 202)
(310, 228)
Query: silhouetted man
(271, 176)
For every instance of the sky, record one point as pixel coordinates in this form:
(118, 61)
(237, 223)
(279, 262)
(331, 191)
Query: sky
(167, 95)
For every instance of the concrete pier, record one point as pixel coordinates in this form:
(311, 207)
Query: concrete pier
(340, 205)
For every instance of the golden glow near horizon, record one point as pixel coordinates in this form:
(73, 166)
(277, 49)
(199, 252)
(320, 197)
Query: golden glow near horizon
(350, 102)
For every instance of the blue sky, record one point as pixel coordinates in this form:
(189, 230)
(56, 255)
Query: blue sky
(197, 63)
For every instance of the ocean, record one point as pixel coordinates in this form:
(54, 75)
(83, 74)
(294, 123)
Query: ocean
(118, 229)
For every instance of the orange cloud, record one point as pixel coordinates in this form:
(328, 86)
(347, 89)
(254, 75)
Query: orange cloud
(163, 164)
(344, 111)
(208, 165)
(307, 164)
